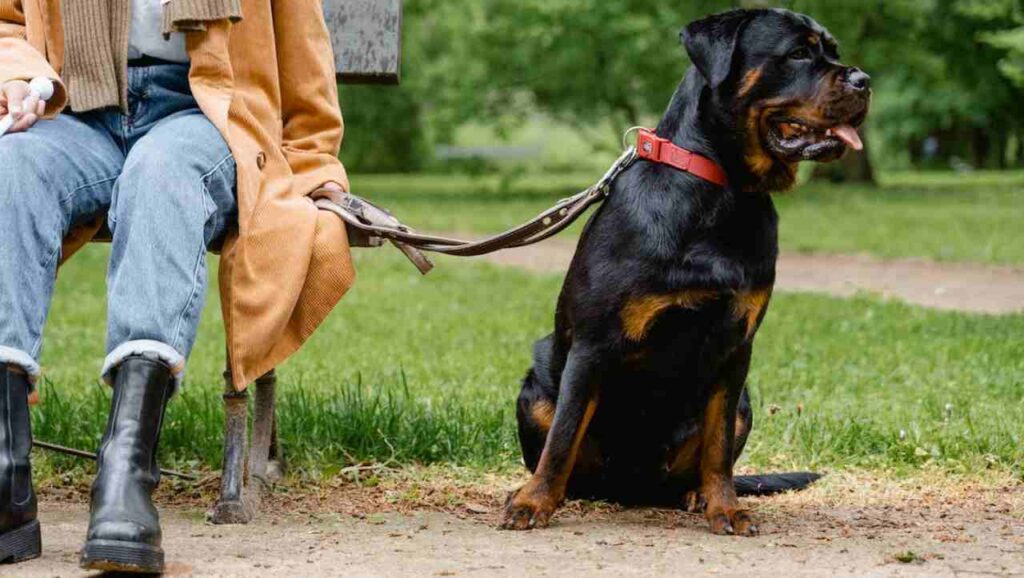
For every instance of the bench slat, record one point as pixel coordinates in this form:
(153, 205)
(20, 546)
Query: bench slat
(367, 37)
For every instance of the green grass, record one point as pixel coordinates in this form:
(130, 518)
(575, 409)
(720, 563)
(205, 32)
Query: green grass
(977, 217)
(943, 216)
(426, 370)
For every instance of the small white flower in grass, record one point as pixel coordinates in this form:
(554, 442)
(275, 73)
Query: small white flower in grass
(903, 434)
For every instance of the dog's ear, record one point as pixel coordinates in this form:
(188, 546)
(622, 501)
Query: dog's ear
(712, 42)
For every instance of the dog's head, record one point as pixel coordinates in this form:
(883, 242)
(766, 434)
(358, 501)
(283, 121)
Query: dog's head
(776, 81)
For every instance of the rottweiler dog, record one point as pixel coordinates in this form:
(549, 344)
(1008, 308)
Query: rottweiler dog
(639, 395)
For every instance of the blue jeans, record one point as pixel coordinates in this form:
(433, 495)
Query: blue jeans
(165, 180)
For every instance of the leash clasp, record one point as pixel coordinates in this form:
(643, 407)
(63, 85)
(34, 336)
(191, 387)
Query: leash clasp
(604, 186)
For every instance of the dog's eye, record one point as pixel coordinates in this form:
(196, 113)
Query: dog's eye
(800, 54)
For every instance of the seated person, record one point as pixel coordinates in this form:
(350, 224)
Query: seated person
(183, 125)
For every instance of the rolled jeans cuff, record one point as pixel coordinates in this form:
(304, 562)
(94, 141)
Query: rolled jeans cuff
(150, 349)
(16, 357)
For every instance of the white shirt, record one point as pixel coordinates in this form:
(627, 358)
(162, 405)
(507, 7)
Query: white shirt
(147, 36)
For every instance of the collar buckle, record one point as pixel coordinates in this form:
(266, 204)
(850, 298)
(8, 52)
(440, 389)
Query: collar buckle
(648, 145)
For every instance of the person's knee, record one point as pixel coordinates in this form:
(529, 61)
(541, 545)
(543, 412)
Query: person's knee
(164, 184)
(157, 182)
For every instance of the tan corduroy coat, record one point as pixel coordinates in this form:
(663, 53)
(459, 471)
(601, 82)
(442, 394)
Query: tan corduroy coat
(267, 83)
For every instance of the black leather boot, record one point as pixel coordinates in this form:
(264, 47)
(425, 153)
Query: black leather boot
(124, 528)
(19, 528)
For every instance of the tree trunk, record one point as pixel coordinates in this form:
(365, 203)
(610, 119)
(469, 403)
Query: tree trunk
(1020, 149)
(854, 167)
(980, 147)
(914, 151)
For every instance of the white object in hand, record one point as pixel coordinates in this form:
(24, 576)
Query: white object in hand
(41, 87)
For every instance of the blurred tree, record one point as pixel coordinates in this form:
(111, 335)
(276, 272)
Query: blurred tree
(1013, 42)
(593, 60)
(1007, 17)
(384, 130)
(393, 129)
(945, 71)
(589, 63)
(940, 81)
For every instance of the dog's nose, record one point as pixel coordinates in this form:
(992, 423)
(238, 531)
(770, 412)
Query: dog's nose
(858, 79)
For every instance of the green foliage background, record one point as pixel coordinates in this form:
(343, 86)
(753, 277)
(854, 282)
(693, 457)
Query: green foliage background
(948, 69)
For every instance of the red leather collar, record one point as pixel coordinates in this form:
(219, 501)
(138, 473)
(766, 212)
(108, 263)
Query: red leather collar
(653, 148)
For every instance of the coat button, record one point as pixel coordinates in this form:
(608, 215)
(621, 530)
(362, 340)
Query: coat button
(261, 160)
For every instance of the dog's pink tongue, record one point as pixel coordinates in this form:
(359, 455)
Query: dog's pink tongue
(848, 135)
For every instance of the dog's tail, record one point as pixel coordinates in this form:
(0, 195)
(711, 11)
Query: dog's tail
(769, 484)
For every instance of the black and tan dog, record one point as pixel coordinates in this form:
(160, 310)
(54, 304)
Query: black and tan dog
(639, 395)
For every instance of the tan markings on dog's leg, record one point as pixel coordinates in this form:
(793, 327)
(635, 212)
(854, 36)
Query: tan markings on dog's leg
(750, 80)
(723, 509)
(750, 306)
(543, 414)
(546, 489)
(687, 457)
(560, 477)
(741, 427)
(640, 313)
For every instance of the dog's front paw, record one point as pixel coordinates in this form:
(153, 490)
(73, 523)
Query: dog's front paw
(528, 508)
(736, 522)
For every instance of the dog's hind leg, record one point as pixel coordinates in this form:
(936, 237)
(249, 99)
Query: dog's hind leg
(744, 423)
(535, 412)
(533, 504)
(535, 408)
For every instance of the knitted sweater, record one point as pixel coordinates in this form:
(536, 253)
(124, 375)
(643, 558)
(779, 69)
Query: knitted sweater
(96, 36)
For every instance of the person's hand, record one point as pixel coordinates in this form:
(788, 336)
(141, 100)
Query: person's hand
(17, 99)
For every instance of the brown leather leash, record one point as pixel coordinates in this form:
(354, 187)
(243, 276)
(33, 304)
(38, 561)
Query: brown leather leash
(372, 226)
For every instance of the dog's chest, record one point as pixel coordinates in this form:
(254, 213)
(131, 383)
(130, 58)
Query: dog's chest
(692, 309)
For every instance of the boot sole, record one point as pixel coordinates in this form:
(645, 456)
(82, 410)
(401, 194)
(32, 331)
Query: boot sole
(20, 544)
(116, 556)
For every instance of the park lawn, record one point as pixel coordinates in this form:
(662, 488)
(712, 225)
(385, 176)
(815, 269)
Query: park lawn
(975, 217)
(414, 370)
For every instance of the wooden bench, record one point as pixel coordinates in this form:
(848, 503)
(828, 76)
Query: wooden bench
(367, 45)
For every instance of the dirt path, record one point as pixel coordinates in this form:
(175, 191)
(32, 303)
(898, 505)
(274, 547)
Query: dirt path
(847, 527)
(950, 286)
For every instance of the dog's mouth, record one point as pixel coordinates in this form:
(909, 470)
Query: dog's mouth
(794, 139)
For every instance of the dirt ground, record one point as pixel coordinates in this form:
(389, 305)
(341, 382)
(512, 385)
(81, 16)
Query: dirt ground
(847, 525)
(950, 286)
(850, 525)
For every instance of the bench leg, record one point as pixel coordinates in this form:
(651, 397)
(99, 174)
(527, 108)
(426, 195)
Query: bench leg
(234, 505)
(247, 469)
(266, 463)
